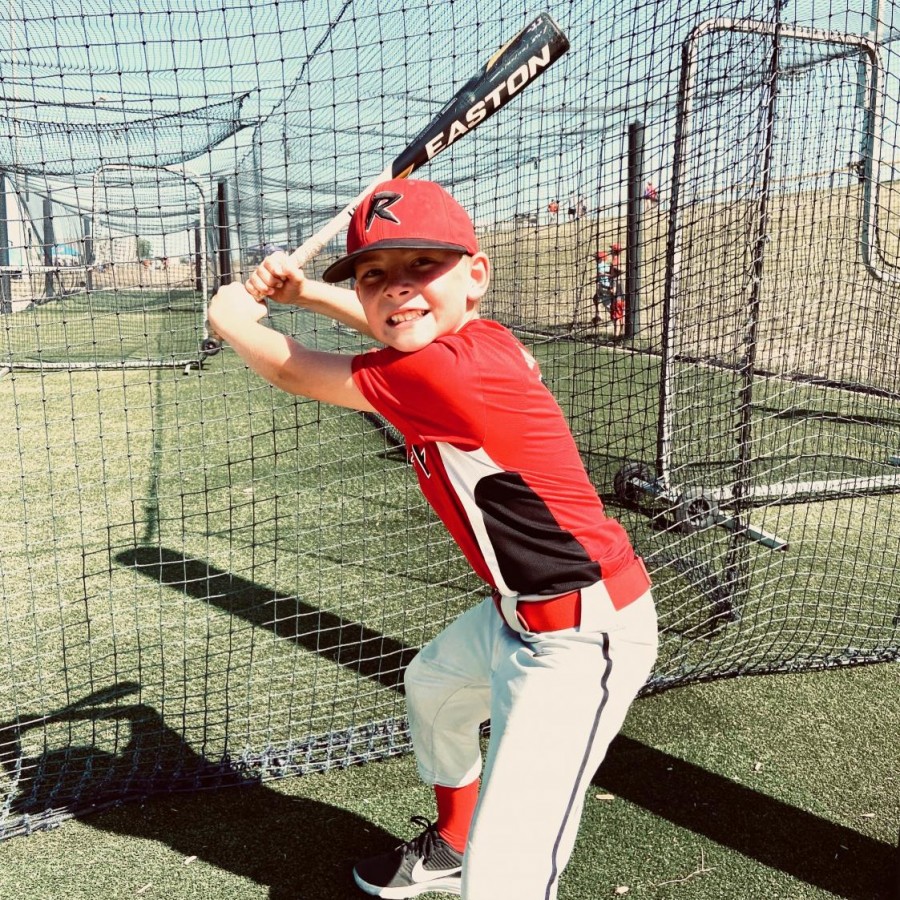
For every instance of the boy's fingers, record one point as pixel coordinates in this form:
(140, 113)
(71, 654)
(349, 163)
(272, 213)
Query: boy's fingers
(262, 284)
(283, 269)
(275, 262)
(271, 274)
(285, 266)
(254, 286)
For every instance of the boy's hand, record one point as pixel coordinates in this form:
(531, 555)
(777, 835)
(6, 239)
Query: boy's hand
(231, 307)
(277, 277)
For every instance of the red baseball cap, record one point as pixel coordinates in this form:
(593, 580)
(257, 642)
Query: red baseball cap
(405, 215)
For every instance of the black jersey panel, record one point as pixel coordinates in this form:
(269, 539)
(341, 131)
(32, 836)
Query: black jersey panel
(534, 554)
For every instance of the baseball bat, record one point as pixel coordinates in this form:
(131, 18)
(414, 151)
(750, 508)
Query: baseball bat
(505, 75)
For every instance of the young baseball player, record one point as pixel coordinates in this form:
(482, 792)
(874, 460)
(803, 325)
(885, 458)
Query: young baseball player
(556, 653)
(603, 291)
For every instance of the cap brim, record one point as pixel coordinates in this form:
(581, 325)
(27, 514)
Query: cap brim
(344, 267)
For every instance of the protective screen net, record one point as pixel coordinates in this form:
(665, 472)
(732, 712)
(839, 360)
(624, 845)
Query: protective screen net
(206, 581)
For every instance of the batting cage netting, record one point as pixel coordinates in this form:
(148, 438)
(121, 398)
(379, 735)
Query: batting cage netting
(207, 581)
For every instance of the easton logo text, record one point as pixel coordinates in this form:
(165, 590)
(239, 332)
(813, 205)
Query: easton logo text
(490, 104)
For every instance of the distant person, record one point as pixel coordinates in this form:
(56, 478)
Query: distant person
(617, 315)
(651, 194)
(603, 292)
(553, 209)
(617, 291)
(577, 207)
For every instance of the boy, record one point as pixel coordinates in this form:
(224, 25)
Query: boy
(567, 638)
(617, 315)
(617, 296)
(603, 293)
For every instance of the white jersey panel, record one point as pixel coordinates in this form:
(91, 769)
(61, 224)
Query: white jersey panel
(465, 468)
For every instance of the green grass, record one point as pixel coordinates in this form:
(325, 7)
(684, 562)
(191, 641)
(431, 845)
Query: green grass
(261, 570)
(109, 327)
(202, 575)
(778, 787)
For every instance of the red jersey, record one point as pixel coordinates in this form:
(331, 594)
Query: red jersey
(496, 460)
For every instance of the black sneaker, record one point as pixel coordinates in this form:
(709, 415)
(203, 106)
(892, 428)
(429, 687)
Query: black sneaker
(426, 863)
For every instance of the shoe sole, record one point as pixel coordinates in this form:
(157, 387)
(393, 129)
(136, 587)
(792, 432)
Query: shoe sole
(440, 885)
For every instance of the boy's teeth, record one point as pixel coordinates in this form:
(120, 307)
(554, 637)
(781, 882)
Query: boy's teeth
(397, 318)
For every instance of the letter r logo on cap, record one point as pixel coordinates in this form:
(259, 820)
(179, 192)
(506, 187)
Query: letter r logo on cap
(380, 207)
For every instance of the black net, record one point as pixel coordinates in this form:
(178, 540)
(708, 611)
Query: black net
(206, 581)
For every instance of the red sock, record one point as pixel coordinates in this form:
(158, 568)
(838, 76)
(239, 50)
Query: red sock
(455, 807)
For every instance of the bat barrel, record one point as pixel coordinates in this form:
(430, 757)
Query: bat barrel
(509, 71)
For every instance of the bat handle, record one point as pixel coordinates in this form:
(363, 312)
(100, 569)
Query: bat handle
(312, 246)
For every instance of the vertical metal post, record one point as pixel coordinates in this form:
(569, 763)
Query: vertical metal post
(239, 226)
(49, 244)
(744, 433)
(634, 229)
(88, 253)
(5, 282)
(681, 152)
(198, 258)
(224, 234)
(736, 564)
(257, 163)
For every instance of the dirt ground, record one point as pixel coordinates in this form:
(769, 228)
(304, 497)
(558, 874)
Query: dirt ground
(794, 298)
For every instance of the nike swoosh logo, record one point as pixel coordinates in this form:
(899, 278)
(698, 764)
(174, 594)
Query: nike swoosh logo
(420, 874)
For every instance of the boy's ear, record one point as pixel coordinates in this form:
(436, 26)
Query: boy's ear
(479, 277)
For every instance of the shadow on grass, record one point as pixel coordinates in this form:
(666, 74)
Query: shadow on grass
(342, 641)
(304, 848)
(73, 771)
(298, 844)
(776, 834)
(298, 848)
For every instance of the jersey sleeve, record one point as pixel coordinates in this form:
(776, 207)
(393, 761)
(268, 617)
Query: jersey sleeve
(434, 394)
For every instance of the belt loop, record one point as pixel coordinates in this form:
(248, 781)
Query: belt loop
(596, 607)
(507, 606)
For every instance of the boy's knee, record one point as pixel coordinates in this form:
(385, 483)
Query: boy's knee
(414, 678)
(424, 690)
(426, 684)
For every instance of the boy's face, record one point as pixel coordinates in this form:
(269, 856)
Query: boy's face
(412, 297)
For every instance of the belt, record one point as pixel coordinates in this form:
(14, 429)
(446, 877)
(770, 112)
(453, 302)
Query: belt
(565, 610)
